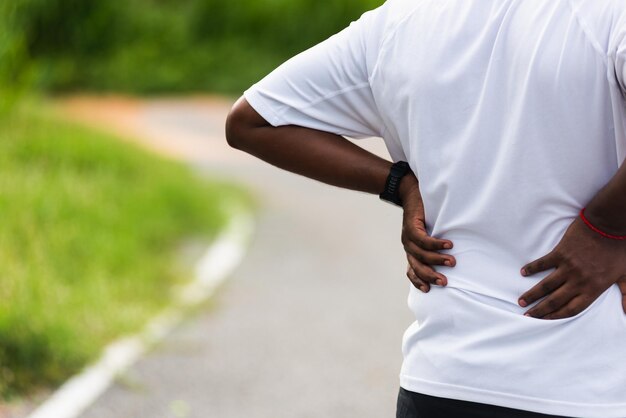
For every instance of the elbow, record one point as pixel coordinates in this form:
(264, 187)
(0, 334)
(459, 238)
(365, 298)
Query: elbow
(233, 127)
(242, 124)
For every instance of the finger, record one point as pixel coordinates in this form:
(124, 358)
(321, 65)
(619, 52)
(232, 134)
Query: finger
(552, 303)
(420, 237)
(429, 257)
(574, 307)
(426, 273)
(546, 286)
(417, 282)
(546, 262)
(621, 283)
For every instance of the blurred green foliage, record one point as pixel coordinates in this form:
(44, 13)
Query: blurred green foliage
(14, 62)
(91, 230)
(151, 46)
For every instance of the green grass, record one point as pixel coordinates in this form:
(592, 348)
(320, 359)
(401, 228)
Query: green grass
(89, 231)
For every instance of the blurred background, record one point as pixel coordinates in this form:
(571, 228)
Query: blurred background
(155, 46)
(114, 175)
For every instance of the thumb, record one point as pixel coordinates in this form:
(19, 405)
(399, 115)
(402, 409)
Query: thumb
(621, 283)
(415, 217)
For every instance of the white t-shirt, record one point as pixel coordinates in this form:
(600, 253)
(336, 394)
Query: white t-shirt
(512, 115)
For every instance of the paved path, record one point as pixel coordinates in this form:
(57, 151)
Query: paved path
(308, 326)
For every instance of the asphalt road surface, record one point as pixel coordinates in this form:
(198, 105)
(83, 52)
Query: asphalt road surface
(309, 325)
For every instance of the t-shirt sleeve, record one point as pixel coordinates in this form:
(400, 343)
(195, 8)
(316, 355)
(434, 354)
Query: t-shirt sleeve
(327, 87)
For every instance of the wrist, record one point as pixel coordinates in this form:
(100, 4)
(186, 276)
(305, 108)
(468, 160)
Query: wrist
(607, 209)
(408, 191)
(605, 222)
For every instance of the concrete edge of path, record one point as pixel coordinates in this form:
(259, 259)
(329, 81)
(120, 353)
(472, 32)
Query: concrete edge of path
(215, 266)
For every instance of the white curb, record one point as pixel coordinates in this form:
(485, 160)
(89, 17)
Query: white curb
(218, 262)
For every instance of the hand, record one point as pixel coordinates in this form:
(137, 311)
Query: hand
(586, 265)
(421, 249)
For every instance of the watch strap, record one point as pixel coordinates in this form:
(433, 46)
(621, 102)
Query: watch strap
(392, 186)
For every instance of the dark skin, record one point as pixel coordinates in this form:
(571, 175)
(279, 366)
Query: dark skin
(586, 264)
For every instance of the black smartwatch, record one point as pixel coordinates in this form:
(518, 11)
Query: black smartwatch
(398, 170)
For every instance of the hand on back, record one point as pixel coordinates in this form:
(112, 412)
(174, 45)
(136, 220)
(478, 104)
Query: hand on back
(422, 250)
(586, 264)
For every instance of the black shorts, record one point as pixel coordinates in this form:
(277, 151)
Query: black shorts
(418, 405)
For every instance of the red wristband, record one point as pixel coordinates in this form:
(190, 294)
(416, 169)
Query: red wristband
(604, 234)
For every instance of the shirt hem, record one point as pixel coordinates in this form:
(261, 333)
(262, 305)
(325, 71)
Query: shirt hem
(261, 106)
(528, 403)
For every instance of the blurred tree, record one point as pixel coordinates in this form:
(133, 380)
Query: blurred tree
(289, 24)
(161, 45)
(15, 66)
(62, 36)
(77, 27)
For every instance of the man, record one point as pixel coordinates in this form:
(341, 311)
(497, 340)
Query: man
(512, 115)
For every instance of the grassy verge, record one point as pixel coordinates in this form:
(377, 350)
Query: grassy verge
(89, 228)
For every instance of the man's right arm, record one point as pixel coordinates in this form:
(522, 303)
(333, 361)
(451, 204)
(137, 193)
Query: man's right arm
(586, 263)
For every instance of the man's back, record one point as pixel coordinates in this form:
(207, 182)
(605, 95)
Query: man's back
(511, 114)
(508, 116)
